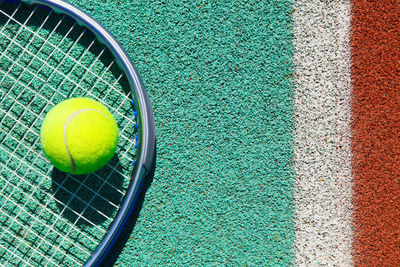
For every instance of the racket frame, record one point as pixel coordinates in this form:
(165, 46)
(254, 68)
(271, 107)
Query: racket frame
(146, 150)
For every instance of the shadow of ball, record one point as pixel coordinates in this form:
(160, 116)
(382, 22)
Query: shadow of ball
(89, 199)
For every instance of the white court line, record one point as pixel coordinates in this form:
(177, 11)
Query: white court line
(323, 181)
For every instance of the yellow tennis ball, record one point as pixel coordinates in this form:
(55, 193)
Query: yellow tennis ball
(79, 135)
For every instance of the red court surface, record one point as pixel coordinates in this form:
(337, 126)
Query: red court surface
(376, 131)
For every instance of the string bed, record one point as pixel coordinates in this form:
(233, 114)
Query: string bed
(48, 217)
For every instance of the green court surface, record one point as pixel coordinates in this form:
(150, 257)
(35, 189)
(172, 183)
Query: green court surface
(219, 76)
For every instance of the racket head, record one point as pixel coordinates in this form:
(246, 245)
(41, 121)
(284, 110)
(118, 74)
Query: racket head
(102, 48)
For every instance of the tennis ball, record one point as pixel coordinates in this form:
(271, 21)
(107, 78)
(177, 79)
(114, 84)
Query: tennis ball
(79, 135)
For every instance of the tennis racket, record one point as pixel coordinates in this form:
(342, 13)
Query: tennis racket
(51, 51)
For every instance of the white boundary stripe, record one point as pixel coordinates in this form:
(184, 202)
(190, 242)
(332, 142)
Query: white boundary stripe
(323, 183)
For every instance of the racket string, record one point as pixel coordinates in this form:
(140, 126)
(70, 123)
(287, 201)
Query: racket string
(65, 55)
(80, 215)
(15, 255)
(22, 208)
(67, 234)
(38, 136)
(32, 39)
(65, 96)
(49, 102)
(17, 141)
(24, 135)
(65, 189)
(120, 76)
(77, 62)
(97, 176)
(61, 212)
(38, 71)
(131, 122)
(38, 220)
(21, 240)
(15, 35)
(88, 203)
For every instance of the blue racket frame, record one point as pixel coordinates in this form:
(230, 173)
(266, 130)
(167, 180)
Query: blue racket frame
(146, 127)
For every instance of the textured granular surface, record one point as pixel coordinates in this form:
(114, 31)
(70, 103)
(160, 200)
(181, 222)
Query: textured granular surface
(376, 131)
(219, 76)
(266, 146)
(322, 138)
(46, 216)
